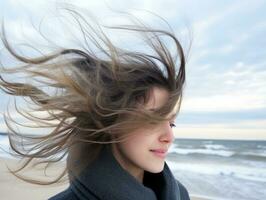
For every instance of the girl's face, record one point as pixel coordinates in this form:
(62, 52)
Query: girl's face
(146, 148)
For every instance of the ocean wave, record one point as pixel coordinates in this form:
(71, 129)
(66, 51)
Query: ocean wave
(254, 154)
(261, 146)
(237, 171)
(215, 146)
(184, 151)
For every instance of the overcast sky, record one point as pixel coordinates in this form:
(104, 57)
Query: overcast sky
(225, 93)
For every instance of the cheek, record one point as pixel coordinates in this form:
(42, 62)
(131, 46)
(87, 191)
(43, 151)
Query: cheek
(137, 145)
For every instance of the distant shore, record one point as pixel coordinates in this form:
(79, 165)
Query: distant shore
(12, 188)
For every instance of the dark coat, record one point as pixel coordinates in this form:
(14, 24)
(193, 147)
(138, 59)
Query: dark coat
(105, 179)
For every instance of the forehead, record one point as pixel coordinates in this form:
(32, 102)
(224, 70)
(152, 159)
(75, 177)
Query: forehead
(158, 97)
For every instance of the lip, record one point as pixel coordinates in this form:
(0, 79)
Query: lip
(159, 152)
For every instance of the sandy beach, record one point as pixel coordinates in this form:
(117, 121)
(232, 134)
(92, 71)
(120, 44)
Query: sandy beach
(12, 188)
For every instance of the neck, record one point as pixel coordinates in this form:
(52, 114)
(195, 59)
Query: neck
(138, 175)
(127, 165)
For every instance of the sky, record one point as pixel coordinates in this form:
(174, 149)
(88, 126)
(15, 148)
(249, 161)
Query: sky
(225, 91)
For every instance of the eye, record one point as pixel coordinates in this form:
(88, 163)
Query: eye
(172, 124)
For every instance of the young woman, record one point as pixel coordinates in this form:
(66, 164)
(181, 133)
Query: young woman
(111, 116)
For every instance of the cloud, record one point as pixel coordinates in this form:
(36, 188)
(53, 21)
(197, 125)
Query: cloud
(250, 124)
(3, 128)
(226, 69)
(223, 103)
(220, 133)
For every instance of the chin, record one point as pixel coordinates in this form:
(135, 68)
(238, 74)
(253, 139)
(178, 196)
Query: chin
(156, 169)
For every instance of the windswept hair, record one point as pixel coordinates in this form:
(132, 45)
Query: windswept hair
(96, 100)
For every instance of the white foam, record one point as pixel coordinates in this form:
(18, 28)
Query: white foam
(214, 146)
(261, 154)
(186, 151)
(243, 172)
(261, 146)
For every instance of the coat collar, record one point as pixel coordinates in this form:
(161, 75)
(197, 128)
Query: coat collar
(106, 180)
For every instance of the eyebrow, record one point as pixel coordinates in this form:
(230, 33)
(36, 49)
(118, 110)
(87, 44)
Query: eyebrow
(172, 116)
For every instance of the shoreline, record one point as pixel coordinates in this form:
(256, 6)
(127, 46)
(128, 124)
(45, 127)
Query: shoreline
(12, 188)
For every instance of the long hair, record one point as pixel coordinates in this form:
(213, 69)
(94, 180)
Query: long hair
(97, 100)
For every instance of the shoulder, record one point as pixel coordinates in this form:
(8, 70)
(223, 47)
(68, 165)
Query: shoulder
(183, 191)
(67, 194)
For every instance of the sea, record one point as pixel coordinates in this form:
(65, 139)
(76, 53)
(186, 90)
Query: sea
(217, 169)
(220, 169)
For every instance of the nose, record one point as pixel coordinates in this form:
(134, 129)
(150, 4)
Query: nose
(167, 133)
